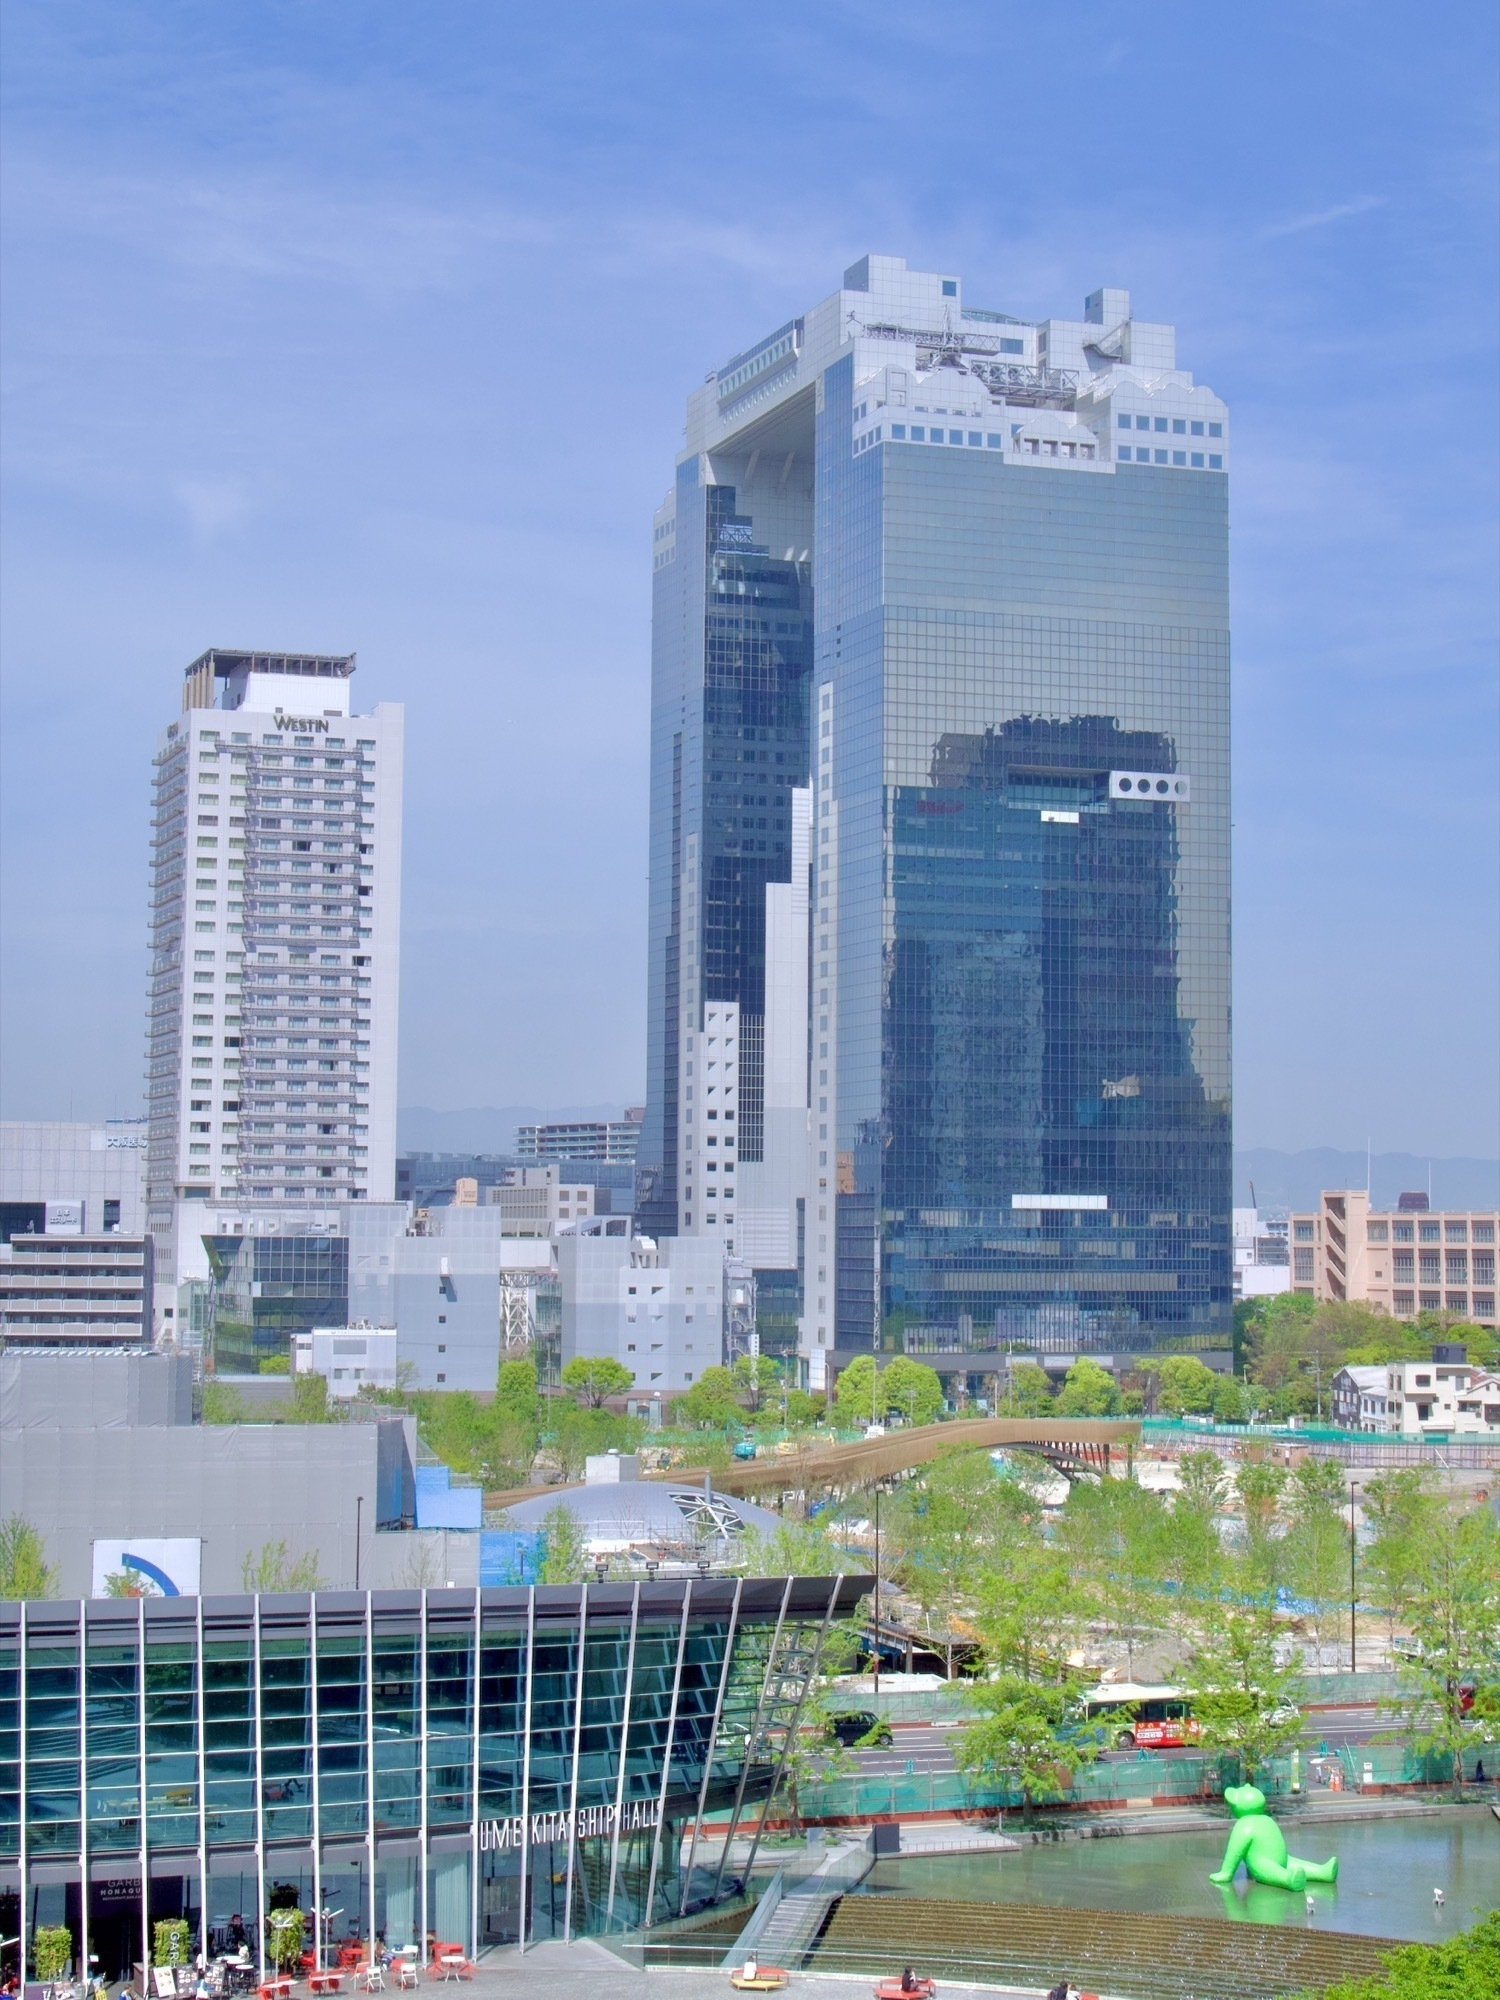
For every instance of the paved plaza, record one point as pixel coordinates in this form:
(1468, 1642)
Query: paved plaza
(586, 1971)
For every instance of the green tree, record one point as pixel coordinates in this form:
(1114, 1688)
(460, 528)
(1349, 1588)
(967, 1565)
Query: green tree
(1231, 1403)
(1116, 1534)
(1185, 1385)
(1031, 1608)
(941, 1531)
(284, 1929)
(1397, 1506)
(1204, 1481)
(575, 1435)
(1028, 1392)
(1457, 1969)
(1450, 1686)
(757, 1379)
(1238, 1684)
(812, 1753)
(1088, 1391)
(866, 1394)
(592, 1377)
(803, 1409)
(310, 1403)
(516, 1391)
(272, 1567)
(274, 1364)
(1316, 1547)
(24, 1569)
(911, 1389)
(564, 1558)
(794, 1548)
(1025, 1736)
(1193, 1554)
(1259, 1487)
(51, 1950)
(855, 1393)
(222, 1403)
(712, 1402)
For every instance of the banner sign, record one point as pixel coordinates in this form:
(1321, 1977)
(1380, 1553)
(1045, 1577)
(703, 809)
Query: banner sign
(559, 1828)
(147, 1567)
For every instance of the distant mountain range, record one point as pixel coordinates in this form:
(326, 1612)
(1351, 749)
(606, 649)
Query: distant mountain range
(1295, 1180)
(1282, 1180)
(486, 1129)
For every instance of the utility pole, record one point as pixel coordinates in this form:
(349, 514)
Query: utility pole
(876, 1669)
(1353, 1597)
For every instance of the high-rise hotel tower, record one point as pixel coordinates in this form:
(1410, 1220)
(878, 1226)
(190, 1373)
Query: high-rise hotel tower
(939, 973)
(276, 905)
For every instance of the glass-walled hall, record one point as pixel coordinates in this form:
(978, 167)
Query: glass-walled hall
(472, 1768)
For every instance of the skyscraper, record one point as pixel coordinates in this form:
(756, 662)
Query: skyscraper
(960, 581)
(271, 1035)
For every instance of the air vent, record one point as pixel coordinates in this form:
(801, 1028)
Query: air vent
(1170, 786)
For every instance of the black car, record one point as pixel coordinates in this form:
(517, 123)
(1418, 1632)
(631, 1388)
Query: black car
(860, 1727)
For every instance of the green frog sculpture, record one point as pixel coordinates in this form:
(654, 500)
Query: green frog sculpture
(1258, 1841)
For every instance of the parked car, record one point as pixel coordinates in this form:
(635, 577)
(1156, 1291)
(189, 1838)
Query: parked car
(860, 1727)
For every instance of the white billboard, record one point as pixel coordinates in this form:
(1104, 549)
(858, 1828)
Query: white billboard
(142, 1567)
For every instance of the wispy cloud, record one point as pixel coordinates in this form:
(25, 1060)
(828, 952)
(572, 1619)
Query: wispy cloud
(1322, 216)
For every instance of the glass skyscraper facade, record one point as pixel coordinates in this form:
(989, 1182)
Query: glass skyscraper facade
(1017, 944)
(489, 1767)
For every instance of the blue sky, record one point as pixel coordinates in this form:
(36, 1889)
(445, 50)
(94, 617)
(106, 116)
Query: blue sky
(369, 326)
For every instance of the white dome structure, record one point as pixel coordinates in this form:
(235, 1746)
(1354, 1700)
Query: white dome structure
(617, 1516)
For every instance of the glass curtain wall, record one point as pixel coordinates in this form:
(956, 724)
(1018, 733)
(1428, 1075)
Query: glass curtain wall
(475, 1768)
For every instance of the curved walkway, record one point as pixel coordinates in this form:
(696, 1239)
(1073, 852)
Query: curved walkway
(1071, 1444)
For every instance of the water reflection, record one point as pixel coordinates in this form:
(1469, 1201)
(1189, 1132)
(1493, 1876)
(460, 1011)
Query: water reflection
(1388, 1870)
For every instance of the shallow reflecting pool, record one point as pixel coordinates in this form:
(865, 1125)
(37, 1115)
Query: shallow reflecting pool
(1388, 1870)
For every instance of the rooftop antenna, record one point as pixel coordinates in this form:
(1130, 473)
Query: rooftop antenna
(1253, 1202)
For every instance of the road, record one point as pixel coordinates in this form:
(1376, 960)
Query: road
(917, 1748)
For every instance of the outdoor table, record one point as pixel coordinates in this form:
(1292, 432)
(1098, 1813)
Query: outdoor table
(764, 1979)
(456, 1966)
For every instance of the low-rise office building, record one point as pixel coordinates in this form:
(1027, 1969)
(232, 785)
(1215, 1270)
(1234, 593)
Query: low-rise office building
(349, 1358)
(658, 1308)
(73, 1290)
(57, 1173)
(483, 1766)
(1404, 1261)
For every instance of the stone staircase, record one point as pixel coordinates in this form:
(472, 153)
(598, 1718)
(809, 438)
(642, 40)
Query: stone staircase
(794, 1925)
(1144, 1957)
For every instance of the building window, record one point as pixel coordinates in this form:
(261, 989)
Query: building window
(1216, 430)
(1403, 1302)
(1197, 430)
(950, 288)
(1215, 463)
(1197, 458)
(1302, 1232)
(1302, 1263)
(1456, 1232)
